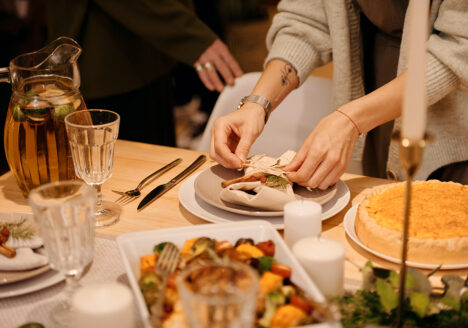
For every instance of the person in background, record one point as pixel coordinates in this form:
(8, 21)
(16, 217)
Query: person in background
(129, 51)
(368, 41)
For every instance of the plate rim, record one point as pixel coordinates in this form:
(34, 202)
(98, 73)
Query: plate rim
(187, 192)
(348, 224)
(42, 281)
(27, 274)
(241, 210)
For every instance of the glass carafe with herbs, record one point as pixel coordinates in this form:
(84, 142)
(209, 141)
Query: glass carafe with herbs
(45, 87)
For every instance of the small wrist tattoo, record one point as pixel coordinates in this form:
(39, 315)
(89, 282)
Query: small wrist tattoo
(286, 70)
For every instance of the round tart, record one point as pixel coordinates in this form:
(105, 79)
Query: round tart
(438, 227)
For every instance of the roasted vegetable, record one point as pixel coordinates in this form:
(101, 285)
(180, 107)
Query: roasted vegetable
(301, 303)
(149, 285)
(202, 245)
(265, 263)
(147, 263)
(222, 246)
(249, 250)
(281, 270)
(287, 316)
(241, 241)
(159, 247)
(272, 301)
(267, 247)
(270, 282)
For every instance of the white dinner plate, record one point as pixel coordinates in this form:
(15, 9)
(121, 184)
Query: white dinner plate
(348, 223)
(208, 187)
(195, 205)
(136, 244)
(44, 280)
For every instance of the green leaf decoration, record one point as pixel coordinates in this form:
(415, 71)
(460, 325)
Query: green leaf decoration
(388, 296)
(450, 302)
(19, 230)
(453, 285)
(419, 303)
(276, 181)
(394, 279)
(368, 277)
(410, 282)
(422, 284)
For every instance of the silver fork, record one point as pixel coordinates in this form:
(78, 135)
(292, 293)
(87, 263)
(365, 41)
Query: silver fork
(165, 265)
(134, 193)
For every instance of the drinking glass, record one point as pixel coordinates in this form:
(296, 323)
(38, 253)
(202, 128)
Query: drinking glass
(64, 214)
(219, 295)
(92, 135)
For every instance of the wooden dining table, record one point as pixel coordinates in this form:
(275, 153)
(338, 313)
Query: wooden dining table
(133, 161)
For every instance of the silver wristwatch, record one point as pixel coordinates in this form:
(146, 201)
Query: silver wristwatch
(265, 103)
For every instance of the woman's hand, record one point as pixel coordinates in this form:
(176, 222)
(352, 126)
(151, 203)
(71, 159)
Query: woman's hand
(232, 135)
(325, 154)
(217, 59)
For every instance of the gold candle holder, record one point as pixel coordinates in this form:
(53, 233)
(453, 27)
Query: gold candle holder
(411, 153)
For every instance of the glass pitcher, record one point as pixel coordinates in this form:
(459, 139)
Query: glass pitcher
(45, 86)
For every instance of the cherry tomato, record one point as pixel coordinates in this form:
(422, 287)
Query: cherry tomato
(301, 303)
(5, 232)
(281, 270)
(267, 247)
(171, 281)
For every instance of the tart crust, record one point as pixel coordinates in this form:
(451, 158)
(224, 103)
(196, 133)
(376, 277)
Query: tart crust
(438, 232)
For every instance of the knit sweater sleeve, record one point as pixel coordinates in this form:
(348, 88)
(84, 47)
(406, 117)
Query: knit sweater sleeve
(447, 47)
(300, 35)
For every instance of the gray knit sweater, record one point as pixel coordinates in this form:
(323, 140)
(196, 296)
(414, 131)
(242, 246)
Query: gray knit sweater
(310, 33)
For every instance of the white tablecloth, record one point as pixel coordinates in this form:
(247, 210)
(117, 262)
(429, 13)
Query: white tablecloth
(35, 307)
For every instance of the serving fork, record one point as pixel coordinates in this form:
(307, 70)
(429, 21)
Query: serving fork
(166, 264)
(134, 193)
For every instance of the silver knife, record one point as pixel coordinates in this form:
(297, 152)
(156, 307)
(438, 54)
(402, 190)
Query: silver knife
(161, 189)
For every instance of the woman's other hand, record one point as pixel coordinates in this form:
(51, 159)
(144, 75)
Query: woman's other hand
(325, 154)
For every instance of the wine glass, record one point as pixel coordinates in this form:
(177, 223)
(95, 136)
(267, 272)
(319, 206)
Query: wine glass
(92, 135)
(218, 294)
(64, 214)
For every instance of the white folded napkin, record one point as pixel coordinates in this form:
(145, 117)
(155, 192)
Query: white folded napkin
(33, 242)
(257, 194)
(25, 259)
(266, 198)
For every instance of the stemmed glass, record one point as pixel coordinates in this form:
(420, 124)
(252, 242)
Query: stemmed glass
(64, 214)
(218, 294)
(92, 135)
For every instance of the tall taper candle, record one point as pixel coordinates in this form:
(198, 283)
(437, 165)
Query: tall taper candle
(414, 101)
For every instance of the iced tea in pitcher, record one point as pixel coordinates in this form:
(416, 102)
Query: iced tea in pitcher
(45, 89)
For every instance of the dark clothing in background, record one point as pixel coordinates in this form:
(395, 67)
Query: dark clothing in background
(381, 28)
(129, 51)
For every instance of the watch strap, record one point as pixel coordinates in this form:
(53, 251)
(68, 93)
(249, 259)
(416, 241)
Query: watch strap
(262, 101)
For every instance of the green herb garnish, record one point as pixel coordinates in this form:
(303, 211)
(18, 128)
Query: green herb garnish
(377, 303)
(275, 181)
(20, 229)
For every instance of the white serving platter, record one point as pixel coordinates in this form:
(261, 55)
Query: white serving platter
(136, 244)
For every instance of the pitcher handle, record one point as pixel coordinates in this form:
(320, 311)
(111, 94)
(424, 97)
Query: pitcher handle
(4, 74)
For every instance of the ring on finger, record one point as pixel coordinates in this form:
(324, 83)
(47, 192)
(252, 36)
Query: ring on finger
(198, 67)
(208, 66)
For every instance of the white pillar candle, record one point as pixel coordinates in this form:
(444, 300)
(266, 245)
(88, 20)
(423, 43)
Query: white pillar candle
(103, 305)
(414, 101)
(323, 260)
(302, 218)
